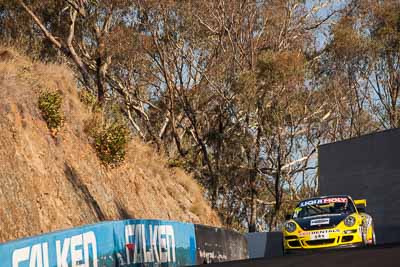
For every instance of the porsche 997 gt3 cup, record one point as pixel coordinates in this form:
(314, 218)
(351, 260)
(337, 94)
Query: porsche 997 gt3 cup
(328, 222)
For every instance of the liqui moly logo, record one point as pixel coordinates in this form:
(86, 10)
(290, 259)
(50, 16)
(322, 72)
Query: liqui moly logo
(322, 201)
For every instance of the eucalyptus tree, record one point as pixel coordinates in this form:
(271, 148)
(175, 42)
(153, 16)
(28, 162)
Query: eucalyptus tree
(222, 87)
(360, 69)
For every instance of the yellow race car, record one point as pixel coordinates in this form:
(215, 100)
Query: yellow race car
(328, 222)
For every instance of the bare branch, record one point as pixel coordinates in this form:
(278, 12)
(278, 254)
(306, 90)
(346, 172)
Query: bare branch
(48, 35)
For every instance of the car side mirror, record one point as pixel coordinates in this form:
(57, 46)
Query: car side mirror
(288, 217)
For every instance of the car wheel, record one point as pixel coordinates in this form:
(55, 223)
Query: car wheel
(373, 237)
(363, 232)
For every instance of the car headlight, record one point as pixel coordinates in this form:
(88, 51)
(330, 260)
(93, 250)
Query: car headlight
(290, 227)
(349, 221)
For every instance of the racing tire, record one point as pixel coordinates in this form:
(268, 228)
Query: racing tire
(364, 233)
(373, 243)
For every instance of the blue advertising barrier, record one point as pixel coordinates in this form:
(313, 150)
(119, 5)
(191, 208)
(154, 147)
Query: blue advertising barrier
(117, 243)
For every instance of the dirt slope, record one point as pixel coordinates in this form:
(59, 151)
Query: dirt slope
(49, 183)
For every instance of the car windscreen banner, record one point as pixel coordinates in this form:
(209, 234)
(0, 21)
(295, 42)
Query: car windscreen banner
(322, 201)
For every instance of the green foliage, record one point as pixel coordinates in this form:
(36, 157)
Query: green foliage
(176, 163)
(87, 98)
(50, 106)
(110, 142)
(110, 138)
(90, 100)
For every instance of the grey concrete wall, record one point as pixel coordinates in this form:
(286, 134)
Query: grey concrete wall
(264, 244)
(367, 167)
(219, 245)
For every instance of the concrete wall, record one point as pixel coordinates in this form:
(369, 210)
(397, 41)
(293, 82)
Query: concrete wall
(265, 244)
(367, 167)
(219, 245)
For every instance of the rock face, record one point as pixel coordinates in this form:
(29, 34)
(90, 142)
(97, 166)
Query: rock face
(49, 183)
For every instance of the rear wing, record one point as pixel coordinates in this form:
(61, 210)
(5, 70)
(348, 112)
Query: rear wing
(361, 204)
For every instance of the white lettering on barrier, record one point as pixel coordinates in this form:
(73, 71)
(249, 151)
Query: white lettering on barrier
(153, 244)
(46, 253)
(76, 254)
(77, 247)
(89, 239)
(36, 258)
(212, 256)
(37, 255)
(20, 255)
(62, 258)
(161, 240)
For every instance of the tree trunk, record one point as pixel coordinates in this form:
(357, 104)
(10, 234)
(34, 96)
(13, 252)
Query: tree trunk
(253, 212)
(100, 81)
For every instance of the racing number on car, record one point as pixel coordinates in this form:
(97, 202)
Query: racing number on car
(319, 236)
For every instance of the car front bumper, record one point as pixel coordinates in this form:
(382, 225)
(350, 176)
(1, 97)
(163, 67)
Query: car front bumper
(336, 238)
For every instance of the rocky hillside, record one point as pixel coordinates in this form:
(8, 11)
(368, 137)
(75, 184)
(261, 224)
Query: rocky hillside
(49, 183)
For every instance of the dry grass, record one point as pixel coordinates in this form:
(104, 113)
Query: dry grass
(49, 183)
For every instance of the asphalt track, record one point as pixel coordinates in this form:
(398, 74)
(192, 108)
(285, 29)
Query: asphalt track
(380, 256)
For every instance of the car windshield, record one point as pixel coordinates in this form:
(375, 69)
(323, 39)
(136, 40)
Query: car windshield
(323, 206)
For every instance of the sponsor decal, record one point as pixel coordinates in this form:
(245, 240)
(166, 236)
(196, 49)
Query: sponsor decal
(319, 221)
(213, 256)
(80, 249)
(118, 243)
(323, 201)
(319, 236)
(155, 245)
(304, 233)
(318, 232)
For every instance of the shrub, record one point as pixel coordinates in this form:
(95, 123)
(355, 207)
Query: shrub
(176, 163)
(90, 100)
(50, 107)
(110, 141)
(107, 129)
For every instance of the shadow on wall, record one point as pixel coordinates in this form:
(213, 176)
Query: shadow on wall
(265, 244)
